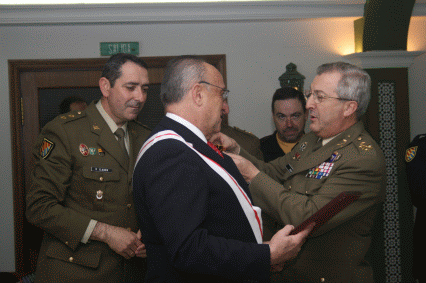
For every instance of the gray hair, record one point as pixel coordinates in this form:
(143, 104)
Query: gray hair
(180, 74)
(355, 84)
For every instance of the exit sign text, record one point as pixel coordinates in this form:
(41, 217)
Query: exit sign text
(111, 48)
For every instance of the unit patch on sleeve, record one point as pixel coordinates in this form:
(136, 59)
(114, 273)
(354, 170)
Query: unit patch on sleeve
(410, 153)
(46, 148)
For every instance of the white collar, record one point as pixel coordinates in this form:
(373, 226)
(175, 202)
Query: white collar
(188, 125)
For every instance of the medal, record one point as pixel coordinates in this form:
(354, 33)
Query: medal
(99, 195)
(84, 149)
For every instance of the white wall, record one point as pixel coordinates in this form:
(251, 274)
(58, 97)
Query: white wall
(256, 55)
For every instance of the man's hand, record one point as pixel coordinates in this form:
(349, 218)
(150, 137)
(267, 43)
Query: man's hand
(247, 169)
(124, 242)
(284, 247)
(228, 143)
(141, 250)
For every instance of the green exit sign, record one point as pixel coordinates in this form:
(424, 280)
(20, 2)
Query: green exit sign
(111, 48)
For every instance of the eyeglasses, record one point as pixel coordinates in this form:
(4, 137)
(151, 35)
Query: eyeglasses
(318, 98)
(293, 117)
(225, 91)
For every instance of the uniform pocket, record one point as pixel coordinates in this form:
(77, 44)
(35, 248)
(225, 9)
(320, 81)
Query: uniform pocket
(97, 182)
(86, 255)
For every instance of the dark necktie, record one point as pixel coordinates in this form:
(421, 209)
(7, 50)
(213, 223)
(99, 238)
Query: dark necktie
(215, 148)
(120, 134)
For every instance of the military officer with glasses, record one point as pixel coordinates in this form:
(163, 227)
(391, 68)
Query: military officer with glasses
(289, 115)
(336, 155)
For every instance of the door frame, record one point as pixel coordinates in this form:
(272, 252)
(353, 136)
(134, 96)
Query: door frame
(16, 69)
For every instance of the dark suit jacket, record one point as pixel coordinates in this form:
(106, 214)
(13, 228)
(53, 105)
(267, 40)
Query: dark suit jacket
(191, 221)
(63, 196)
(270, 148)
(416, 174)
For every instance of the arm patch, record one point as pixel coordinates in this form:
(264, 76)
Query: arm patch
(46, 148)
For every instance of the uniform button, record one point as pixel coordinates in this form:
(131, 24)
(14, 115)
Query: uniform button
(359, 138)
(101, 179)
(66, 243)
(71, 259)
(289, 187)
(129, 206)
(322, 280)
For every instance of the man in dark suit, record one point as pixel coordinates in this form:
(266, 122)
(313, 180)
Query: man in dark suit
(81, 192)
(193, 206)
(415, 158)
(289, 115)
(337, 155)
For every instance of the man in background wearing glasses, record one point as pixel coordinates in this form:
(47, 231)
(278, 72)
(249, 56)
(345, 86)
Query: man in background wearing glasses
(289, 115)
(337, 155)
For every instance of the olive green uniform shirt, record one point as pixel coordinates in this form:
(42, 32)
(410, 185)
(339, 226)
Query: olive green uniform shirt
(293, 187)
(245, 139)
(80, 174)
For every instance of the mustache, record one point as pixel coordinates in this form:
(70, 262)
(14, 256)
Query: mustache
(133, 103)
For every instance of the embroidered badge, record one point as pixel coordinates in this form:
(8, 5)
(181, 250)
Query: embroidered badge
(335, 156)
(289, 168)
(296, 156)
(46, 148)
(101, 152)
(410, 153)
(303, 146)
(84, 149)
(92, 150)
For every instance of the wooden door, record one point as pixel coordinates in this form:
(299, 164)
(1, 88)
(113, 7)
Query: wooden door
(28, 79)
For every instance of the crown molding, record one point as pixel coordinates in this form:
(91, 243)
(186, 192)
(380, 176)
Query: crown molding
(383, 59)
(185, 12)
(178, 12)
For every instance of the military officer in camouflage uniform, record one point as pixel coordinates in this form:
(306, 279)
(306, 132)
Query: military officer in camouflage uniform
(245, 139)
(337, 155)
(81, 191)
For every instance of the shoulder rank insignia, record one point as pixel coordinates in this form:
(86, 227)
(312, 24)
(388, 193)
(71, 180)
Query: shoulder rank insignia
(410, 153)
(46, 148)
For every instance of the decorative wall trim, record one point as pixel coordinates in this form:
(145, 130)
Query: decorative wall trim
(185, 12)
(180, 12)
(387, 125)
(383, 59)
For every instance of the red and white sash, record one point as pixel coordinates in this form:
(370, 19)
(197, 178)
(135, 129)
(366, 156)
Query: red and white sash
(253, 213)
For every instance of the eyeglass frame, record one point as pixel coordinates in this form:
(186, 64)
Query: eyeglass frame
(317, 100)
(225, 91)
